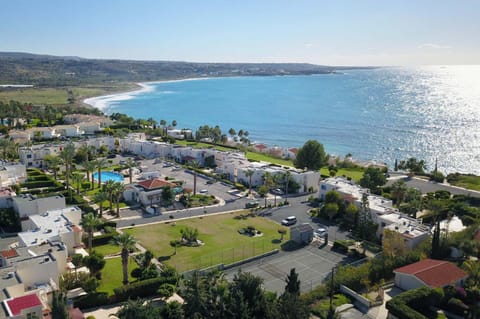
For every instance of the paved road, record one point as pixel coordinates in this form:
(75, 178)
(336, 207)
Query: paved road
(428, 186)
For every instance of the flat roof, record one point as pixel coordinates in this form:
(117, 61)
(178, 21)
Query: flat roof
(49, 224)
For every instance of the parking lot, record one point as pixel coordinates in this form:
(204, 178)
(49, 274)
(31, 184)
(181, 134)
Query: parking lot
(312, 264)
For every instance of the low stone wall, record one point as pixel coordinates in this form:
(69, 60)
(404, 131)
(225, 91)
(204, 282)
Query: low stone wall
(361, 299)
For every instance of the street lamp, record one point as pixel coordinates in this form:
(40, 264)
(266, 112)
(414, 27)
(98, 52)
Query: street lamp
(331, 312)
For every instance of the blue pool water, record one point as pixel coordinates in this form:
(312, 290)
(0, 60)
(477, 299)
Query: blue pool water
(382, 114)
(106, 176)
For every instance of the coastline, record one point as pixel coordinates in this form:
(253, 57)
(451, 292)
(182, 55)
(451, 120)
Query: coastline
(102, 102)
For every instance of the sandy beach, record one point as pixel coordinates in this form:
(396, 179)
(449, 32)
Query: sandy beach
(102, 102)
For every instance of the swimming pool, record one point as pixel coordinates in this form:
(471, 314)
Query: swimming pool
(107, 176)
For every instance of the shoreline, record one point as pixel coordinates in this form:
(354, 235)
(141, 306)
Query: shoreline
(102, 102)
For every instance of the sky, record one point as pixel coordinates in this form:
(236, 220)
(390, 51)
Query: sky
(333, 32)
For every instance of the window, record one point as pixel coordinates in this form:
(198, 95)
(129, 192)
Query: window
(323, 187)
(29, 155)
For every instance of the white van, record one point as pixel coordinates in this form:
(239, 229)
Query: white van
(290, 220)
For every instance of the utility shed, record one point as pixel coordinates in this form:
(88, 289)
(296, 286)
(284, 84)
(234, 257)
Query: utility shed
(302, 233)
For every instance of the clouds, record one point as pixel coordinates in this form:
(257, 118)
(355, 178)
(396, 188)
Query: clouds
(434, 46)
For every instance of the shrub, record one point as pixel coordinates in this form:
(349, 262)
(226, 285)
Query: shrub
(437, 177)
(103, 239)
(406, 304)
(342, 245)
(92, 300)
(140, 289)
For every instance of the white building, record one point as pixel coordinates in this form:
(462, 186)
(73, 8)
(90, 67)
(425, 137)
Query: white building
(382, 211)
(72, 130)
(27, 205)
(45, 133)
(27, 271)
(412, 231)
(179, 134)
(34, 156)
(12, 173)
(6, 197)
(53, 225)
(429, 273)
(147, 192)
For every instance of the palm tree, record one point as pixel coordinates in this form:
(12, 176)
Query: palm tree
(399, 189)
(98, 199)
(287, 180)
(67, 155)
(126, 242)
(130, 164)
(163, 123)
(7, 146)
(249, 173)
(53, 163)
(109, 187)
(118, 189)
(276, 179)
(90, 223)
(194, 165)
(89, 167)
(77, 179)
(100, 163)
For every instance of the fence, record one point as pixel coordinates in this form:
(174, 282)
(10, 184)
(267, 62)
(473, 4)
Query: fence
(226, 256)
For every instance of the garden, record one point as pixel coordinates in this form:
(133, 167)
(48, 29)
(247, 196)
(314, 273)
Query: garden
(222, 242)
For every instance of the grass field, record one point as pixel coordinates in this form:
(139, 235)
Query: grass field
(219, 233)
(59, 96)
(112, 274)
(265, 158)
(108, 249)
(202, 145)
(466, 181)
(354, 173)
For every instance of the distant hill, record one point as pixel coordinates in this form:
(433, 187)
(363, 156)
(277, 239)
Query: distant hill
(48, 70)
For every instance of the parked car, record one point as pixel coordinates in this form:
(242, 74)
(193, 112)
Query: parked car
(320, 232)
(277, 191)
(252, 204)
(203, 191)
(290, 220)
(111, 156)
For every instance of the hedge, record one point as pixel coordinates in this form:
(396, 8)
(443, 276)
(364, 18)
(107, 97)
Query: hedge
(140, 289)
(402, 305)
(103, 239)
(38, 184)
(92, 300)
(341, 245)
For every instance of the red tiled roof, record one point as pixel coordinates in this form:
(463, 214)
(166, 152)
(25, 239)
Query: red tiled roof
(435, 273)
(294, 150)
(16, 305)
(10, 253)
(260, 146)
(155, 183)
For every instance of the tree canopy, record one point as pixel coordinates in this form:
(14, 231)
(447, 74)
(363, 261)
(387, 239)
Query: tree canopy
(311, 155)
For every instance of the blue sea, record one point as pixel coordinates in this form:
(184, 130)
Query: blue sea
(377, 114)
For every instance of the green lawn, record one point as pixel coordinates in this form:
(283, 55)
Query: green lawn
(466, 181)
(222, 242)
(108, 249)
(202, 145)
(266, 158)
(112, 274)
(58, 96)
(354, 173)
